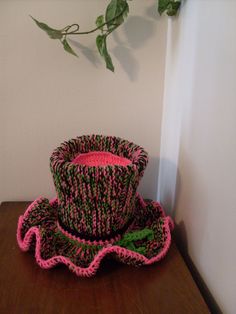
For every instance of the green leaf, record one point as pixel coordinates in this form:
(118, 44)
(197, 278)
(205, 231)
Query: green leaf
(52, 33)
(102, 48)
(111, 10)
(170, 6)
(100, 43)
(116, 11)
(163, 5)
(100, 21)
(109, 63)
(67, 47)
(173, 8)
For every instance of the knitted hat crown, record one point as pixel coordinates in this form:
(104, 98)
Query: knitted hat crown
(96, 179)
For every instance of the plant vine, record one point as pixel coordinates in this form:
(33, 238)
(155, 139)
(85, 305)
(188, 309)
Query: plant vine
(116, 13)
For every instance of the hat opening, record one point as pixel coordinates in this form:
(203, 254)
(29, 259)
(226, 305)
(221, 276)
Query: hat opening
(124, 151)
(96, 158)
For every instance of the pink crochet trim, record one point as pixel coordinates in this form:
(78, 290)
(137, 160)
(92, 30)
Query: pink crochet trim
(89, 271)
(100, 158)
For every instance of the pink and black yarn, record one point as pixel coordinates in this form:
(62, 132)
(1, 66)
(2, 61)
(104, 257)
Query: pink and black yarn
(97, 211)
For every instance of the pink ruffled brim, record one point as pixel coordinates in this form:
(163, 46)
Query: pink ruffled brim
(122, 253)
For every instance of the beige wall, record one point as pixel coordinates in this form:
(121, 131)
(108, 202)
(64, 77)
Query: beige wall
(198, 141)
(47, 96)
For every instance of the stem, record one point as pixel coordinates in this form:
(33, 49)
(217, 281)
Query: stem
(82, 33)
(97, 28)
(70, 26)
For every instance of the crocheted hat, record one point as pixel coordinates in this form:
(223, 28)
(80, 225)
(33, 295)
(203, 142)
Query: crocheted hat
(97, 211)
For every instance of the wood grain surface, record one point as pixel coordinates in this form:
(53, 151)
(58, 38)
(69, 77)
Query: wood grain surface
(166, 287)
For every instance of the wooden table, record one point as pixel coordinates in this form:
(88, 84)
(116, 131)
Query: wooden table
(166, 287)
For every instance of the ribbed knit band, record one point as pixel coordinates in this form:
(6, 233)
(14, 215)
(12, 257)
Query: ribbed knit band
(96, 200)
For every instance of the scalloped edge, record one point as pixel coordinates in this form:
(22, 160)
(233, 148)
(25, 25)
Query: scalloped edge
(91, 270)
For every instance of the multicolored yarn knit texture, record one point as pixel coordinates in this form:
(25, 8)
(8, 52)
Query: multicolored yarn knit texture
(97, 211)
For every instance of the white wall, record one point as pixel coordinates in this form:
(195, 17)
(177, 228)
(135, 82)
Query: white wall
(48, 96)
(199, 147)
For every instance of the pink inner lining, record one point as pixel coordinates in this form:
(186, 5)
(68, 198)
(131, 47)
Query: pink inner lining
(100, 158)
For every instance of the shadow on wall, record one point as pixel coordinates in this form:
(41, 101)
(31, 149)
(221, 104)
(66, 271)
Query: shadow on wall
(180, 233)
(180, 237)
(169, 196)
(90, 54)
(148, 185)
(137, 31)
(152, 12)
(167, 185)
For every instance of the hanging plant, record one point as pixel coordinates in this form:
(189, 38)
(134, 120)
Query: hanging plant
(115, 15)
